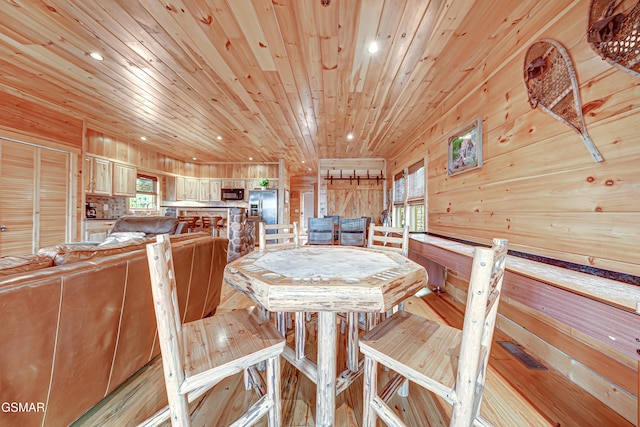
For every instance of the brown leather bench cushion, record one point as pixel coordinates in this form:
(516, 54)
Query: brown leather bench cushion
(21, 264)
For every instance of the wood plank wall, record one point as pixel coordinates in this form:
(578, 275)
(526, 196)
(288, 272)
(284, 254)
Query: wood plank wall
(129, 152)
(32, 122)
(354, 200)
(538, 186)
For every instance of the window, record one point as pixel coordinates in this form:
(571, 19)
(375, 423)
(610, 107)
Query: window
(415, 196)
(146, 194)
(416, 217)
(398, 200)
(398, 216)
(415, 181)
(398, 189)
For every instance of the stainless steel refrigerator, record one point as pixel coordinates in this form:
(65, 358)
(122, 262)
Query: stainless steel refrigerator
(263, 206)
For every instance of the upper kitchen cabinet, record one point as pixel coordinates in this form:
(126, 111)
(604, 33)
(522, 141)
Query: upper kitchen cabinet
(210, 190)
(180, 188)
(98, 173)
(124, 180)
(180, 194)
(191, 189)
(233, 183)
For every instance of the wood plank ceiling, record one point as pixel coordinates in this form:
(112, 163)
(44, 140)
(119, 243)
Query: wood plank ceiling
(274, 79)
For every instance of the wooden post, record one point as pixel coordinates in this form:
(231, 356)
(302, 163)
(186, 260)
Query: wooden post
(274, 417)
(326, 385)
(300, 334)
(352, 341)
(261, 236)
(370, 391)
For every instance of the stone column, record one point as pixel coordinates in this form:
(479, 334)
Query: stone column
(241, 234)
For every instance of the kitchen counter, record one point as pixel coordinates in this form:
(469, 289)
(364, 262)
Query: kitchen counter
(203, 205)
(100, 219)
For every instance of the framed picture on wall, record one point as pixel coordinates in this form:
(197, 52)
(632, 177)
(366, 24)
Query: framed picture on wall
(465, 149)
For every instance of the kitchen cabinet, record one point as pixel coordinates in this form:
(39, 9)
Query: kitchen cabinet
(251, 184)
(180, 195)
(233, 183)
(124, 180)
(191, 189)
(98, 173)
(96, 230)
(172, 192)
(209, 190)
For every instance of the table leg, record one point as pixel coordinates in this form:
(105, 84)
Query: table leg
(326, 385)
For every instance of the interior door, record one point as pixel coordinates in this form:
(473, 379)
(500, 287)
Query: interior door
(308, 208)
(34, 188)
(17, 187)
(52, 198)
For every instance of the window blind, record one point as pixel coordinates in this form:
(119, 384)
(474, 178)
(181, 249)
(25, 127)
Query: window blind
(415, 182)
(398, 189)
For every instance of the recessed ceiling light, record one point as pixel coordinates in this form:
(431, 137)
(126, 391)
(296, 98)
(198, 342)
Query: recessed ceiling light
(144, 138)
(373, 47)
(310, 169)
(96, 56)
(195, 158)
(303, 161)
(219, 138)
(250, 158)
(350, 136)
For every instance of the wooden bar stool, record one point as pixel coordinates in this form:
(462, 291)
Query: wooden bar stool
(199, 354)
(455, 361)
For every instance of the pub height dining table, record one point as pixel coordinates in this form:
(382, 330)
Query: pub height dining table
(327, 280)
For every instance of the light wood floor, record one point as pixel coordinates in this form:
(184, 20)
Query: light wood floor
(514, 396)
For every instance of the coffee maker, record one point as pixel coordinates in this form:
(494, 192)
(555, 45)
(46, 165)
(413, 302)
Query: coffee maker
(90, 211)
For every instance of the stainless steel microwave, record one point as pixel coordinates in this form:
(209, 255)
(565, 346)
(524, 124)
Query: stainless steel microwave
(232, 193)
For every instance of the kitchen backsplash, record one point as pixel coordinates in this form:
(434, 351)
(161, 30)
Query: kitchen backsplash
(116, 206)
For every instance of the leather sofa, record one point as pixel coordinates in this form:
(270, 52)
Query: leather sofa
(79, 322)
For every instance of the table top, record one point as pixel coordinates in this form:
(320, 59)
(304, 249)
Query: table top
(326, 278)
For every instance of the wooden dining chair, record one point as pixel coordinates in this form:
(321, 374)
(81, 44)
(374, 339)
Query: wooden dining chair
(219, 225)
(320, 231)
(282, 235)
(191, 222)
(394, 239)
(336, 228)
(353, 231)
(198, 354)
(447, 361)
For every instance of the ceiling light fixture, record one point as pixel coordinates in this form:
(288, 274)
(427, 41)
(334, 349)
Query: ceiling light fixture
(373, 47)
(303, 161)
(350, 136)
(219, 138)
(250, 158)
(195, 158)
(144, 138)
(96, 56)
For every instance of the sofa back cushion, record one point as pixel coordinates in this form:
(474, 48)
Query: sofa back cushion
(150, 225)
(69, 253)
(22, 264)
